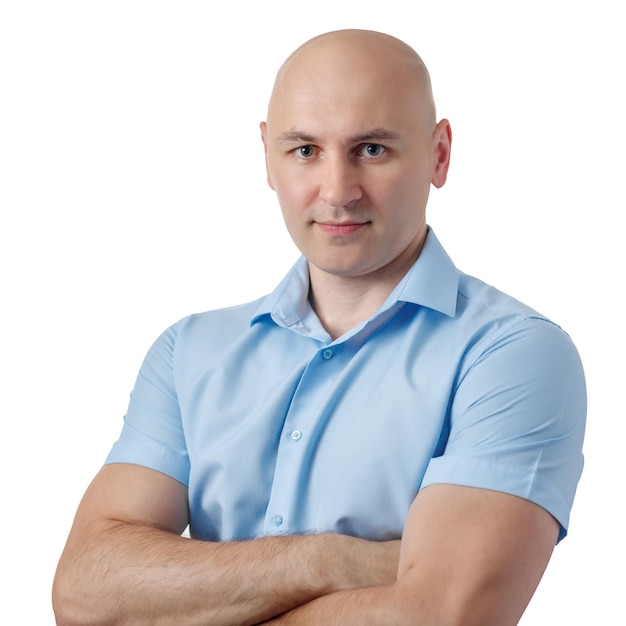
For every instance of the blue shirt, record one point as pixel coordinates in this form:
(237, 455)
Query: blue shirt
(276, 428)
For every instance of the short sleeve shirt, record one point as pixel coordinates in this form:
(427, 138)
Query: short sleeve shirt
(276, 428)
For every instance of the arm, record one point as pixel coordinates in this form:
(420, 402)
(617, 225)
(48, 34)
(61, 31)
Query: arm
(473, 555)
(469, 556)
(125, 562)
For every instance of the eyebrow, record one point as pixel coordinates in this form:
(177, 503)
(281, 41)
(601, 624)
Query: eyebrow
(375, 134)
(295, 136)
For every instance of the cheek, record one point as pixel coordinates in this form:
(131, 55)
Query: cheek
(411, 192)
(293, 193)
(287, 202)
(403, 205)
(292, 206)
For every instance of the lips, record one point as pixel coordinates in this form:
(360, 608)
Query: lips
(338, 229)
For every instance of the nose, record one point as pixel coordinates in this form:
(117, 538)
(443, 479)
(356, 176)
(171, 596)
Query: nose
(339, 184)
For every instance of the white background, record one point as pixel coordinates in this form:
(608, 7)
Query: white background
(132, 193)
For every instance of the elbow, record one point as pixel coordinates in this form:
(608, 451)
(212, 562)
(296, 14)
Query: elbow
(64, 604)
(68, 608)
(420, 604)
(61, 605)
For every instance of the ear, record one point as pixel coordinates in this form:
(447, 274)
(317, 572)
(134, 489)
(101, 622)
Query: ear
(263, 127)
(442, 144)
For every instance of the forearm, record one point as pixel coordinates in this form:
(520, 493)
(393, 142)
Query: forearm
(373, 606)
(484, 575)
(137, 574)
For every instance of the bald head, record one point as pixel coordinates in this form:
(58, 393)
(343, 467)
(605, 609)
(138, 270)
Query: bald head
(352, 148)
(353, 62)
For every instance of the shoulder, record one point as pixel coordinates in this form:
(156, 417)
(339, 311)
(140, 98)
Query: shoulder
(493, 320)
(476, 295)
(199, 334)
(215, 325)
(225, 320)
(517, 364)
(517, 411)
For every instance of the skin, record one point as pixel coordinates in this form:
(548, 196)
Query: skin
(352, 149)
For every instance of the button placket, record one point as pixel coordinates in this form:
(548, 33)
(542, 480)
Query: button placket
(286, 487)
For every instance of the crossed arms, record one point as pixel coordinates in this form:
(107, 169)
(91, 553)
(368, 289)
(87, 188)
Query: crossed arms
(467, 556)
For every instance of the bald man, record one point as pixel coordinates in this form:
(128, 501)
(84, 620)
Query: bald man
(381, 440)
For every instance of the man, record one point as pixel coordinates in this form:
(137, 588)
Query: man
(381, 440)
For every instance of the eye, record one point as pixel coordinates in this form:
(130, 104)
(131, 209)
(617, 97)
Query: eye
(305, 152)
(372, 150)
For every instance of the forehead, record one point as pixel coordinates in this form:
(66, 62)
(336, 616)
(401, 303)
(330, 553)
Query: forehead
(313, 115)
(347, 116)
(347, 85)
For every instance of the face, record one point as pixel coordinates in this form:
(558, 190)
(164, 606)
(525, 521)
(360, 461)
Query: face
(351, 151)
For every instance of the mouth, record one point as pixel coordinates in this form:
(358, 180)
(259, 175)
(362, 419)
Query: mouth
(339, 229)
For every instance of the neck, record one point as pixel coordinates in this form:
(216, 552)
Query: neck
(342, 302)
(341, 306)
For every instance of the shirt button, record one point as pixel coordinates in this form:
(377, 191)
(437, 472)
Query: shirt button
(296, 434)
(277, 520)
(327, 354)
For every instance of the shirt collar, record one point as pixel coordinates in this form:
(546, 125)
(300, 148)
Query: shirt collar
(432, 282)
